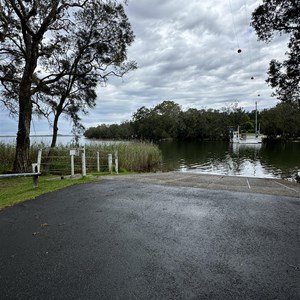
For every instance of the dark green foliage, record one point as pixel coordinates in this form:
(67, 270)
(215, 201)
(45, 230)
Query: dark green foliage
(123, 131)
(283, 120)
(168, 121)
(276, 16)
(281, 17)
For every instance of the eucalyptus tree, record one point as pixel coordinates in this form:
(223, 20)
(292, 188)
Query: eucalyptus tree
(53, 54)
(282, 17)
(91, 55)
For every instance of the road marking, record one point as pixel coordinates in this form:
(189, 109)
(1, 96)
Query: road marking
(248, 184)
(287, 187)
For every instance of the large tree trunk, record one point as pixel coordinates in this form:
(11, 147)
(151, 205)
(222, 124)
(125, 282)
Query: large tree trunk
(30, 41)
(21, 163)
(55, 130)
(53, 142)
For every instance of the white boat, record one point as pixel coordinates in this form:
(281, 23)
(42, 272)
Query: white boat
(244, 138)
(236, 137)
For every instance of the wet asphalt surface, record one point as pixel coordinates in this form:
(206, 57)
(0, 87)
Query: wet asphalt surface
(125, 239)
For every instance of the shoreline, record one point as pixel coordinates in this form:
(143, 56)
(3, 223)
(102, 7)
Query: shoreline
(265, 186)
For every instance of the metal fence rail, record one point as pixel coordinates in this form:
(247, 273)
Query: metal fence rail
(68, 162)
(34, 174)
(78, 160)
(35, 177)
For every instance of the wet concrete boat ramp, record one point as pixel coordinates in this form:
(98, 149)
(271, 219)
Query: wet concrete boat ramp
(155, 236)
(269, 186)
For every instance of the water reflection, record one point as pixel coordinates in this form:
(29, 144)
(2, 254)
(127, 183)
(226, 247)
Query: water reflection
(261, 160)
(245, 161)
(268, 160)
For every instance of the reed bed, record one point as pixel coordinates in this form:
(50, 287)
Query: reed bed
(132, 156)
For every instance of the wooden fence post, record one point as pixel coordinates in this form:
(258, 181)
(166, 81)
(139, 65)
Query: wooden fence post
(98, 161)
(110, 163)
(72, 165)
(39, 160)
(83, 162)
(116, 162)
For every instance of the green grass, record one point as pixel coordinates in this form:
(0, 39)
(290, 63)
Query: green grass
(133, 157)
(15, 190)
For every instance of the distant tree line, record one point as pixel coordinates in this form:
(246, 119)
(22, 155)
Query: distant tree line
(168, 121)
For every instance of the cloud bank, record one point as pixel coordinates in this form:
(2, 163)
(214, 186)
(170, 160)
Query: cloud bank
(186, 53)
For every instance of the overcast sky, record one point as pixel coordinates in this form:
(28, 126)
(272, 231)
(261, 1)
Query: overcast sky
(186, 52)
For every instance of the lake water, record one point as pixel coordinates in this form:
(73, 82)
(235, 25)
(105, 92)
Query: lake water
(268, 160)
(46, 140)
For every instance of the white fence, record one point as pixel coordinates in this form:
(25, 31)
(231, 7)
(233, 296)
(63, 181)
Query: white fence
(77, 160)
(67, 164)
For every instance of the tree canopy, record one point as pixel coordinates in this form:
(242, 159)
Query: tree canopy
(282, 17)
(168, 121)
(54, 54)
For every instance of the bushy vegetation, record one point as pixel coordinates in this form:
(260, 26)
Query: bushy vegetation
(133, 157)
(7, 155)
(168, 121)
(282, 120)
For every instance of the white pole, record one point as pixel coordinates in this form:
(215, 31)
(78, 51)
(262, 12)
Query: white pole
(98, 161)
(110, 163)
(83, 162)
(256, 118)
(39, 160)
(72, 165)
(116, 162)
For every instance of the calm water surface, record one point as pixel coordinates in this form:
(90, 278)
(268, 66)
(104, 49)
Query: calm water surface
(269, 160)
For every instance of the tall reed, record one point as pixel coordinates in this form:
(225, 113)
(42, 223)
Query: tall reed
(133, 156)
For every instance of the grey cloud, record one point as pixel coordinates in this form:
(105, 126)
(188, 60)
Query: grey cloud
(155, 9)
(187, 52)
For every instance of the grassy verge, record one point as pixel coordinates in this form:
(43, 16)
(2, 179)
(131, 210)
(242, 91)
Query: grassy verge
(134, 157)
(15, 190)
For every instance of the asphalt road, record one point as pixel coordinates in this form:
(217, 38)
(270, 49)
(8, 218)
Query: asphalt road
(134, 240)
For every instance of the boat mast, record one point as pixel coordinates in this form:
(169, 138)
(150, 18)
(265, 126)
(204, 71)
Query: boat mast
(255, 117)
